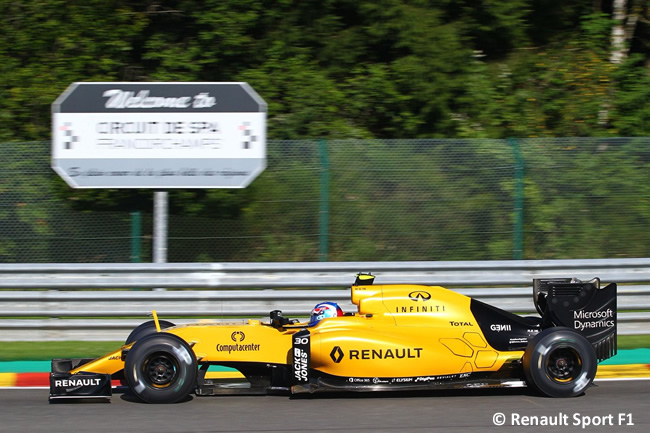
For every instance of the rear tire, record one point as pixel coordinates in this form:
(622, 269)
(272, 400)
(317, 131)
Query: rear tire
(161, 368)
(146, 328)
(559, 362)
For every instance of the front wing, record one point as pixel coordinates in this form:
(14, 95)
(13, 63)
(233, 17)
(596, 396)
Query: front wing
(66, 386)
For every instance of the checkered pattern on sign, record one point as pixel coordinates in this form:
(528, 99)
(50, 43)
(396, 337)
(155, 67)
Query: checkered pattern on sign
(68, 135)
(249, 139)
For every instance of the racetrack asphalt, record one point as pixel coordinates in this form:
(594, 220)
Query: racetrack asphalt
(609, 406)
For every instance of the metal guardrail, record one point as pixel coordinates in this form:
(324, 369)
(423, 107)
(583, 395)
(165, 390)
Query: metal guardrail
(55, 314)
(314, 274)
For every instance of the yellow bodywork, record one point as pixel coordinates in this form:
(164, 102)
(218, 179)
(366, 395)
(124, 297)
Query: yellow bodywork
(397, 331)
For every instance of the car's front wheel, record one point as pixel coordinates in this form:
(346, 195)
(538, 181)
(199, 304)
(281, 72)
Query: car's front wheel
(161, 368)
(146, 328)
(559, 362)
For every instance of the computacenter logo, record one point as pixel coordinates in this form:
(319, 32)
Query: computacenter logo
(238, 336)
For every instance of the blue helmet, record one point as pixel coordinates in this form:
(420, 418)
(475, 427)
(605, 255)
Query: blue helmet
(323, 311)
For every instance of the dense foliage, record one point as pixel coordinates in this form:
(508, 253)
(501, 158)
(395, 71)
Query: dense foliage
(341, 69)
(345, 68)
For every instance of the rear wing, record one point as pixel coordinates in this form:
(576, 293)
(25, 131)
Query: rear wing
(580, 305)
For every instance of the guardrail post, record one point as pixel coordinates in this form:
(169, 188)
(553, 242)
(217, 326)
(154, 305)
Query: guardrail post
(136, 236)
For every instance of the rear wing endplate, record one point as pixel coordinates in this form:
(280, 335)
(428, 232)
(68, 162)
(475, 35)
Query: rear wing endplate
(580, 305)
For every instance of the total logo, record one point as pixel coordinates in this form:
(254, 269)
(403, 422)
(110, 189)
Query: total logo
(453, 323)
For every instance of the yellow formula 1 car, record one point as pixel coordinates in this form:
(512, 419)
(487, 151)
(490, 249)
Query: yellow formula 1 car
(402, 337)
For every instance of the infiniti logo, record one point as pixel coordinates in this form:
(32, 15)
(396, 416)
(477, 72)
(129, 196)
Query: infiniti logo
(238, 336)
(420, 295)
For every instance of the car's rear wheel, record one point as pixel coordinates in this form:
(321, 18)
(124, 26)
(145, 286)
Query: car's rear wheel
(559, 362)
(146, 328)
(161, 368)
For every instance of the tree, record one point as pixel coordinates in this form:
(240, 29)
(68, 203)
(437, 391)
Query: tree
(46, 45)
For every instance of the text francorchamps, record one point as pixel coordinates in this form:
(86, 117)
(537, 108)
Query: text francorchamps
(593, 319)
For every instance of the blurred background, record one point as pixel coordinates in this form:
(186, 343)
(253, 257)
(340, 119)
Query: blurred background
(397, 130)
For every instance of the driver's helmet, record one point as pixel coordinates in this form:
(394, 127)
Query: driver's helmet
(323, 311)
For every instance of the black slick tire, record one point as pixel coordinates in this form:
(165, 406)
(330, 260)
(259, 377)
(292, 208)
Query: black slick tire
(161, 368)
(559, 362)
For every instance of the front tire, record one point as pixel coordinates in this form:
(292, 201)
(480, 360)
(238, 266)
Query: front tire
(161, 368)
(146, 328)
(559, 362)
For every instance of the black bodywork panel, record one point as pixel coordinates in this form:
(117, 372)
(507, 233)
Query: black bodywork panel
(504, 330)
(582, 306)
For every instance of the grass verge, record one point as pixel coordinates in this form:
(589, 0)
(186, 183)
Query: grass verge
(46, 350)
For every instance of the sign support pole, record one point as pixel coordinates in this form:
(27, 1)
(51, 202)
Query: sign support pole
(160, 218)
